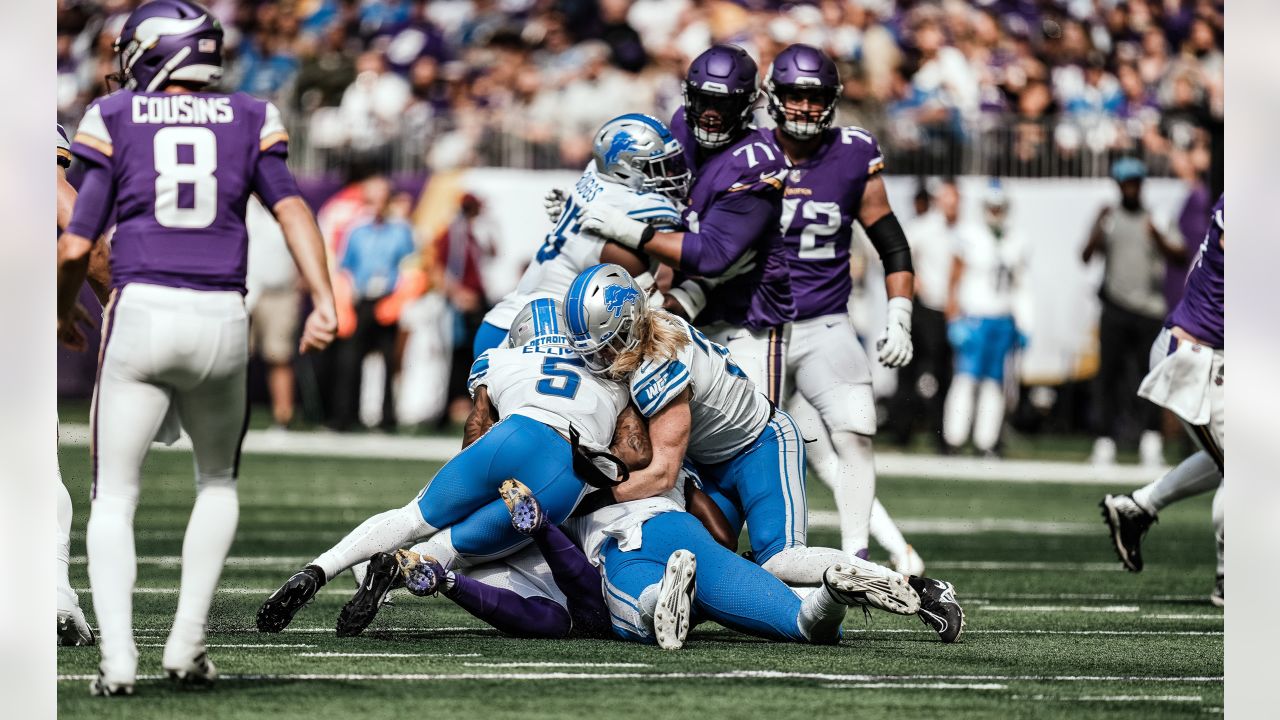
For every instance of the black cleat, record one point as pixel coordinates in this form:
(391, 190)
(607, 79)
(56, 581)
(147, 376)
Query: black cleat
(278, 611)
(363, 607)
(1129, 524)
(939, 608)
(198, 673)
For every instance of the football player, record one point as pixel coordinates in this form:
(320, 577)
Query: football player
(834, 181)
(700, 403)
(739, 289)
(1186, 378)
(638, 168)
(177, 164)
(552, 412)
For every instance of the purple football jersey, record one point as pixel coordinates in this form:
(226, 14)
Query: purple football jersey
(182, 168)
(754, 164)
(820, 204)
(1202, 308)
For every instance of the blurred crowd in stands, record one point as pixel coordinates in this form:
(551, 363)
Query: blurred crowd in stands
(1006, 87)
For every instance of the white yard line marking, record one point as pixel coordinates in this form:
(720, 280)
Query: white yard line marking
(1063, 608)
(1002, 565)
(1111, 698)
(555, 664)
(1185, 616)
(273, 646)
(869, 631)
(725, 675)
(264, 592)
(440, 449)
(322, 630)
(917, 686)
(385, 655)
(1083, 596)
(829, 519)
(234, 561)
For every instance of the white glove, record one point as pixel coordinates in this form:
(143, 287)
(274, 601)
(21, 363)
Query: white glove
(895, 345)
(692, 293)
(613, 224)
(553, 203)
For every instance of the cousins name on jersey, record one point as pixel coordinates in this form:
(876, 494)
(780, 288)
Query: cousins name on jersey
(181, 110)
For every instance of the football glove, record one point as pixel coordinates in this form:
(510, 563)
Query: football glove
(613, 224)
(895, 344)
(553, 203)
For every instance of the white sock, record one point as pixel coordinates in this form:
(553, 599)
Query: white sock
(113, 570)
(821, 616)
(803, 565)
(66, 596)
(384, 532)
(210, 531)
(440, 547)
(1198, 473)
(1219, 527)
(957, 411)
(989, 417)
(886, 532)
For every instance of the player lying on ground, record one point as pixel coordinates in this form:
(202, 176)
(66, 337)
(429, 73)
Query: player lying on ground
(701, 404)
(1187, 378)
(663, 573)
(638, 168)
(177, 165)
(545, 399)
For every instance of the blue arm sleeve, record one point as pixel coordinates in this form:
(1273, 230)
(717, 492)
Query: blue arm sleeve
(272, 180)
(94, 203)
(731, 226)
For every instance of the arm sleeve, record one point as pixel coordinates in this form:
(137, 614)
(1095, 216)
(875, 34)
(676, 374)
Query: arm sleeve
(479, 373)
(657, 386)
(94, 203)
(731, 226)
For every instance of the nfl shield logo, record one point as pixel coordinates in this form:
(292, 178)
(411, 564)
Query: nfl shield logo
(795, 176)
(207, 45)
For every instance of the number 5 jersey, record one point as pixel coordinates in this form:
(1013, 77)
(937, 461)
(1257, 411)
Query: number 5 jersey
(182, 167)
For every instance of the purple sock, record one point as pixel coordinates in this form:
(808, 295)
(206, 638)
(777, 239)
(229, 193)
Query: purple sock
(577, 578)
(508, 611)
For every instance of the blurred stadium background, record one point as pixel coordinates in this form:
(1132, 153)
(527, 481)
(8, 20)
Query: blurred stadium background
(451, 118)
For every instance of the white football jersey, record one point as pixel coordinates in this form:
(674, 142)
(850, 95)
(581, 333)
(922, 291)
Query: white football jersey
(567, 251)
(991, 270)
(622, 522)
(551, 384)
(728, 411)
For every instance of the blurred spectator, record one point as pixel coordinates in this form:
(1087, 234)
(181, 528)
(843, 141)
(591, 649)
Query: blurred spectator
(374, 251)
(986, 267)
(326, 69)
(1134, 255)
(412, 39)
(373, 105)
(923, 383)
(461, 251)
(273, 302)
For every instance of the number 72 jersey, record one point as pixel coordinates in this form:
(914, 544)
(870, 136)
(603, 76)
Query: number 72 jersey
(551, 384)
(182, 168)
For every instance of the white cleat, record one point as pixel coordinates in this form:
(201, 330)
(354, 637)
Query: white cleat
(102, 687)
(675, 600)
(852, 585)
(73, 629)
(909, 563)
(199, 671)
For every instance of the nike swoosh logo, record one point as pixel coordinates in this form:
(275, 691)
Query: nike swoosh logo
(832, 324)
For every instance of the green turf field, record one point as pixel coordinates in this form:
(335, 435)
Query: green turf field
(1055, 628)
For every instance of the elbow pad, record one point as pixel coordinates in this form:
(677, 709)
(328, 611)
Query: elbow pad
(890, 242)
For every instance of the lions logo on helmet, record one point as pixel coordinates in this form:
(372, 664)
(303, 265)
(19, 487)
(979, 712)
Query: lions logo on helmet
(601, 307)
(638, 151)
(617, 296)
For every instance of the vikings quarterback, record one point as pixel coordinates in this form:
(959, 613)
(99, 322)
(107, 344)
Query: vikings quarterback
(741, 293)
(177, 164)
(701, 404)
(1186, 378)
(638, 168)
(833, 182)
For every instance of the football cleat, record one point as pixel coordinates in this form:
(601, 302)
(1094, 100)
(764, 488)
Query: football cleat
(671, 617)
(526, 512)
(199, 672)
(363, 607)
(1219, 595)
(910, 563)
(423, 575)
(278, 610)
(73, 630)
(100, 687)
(1129, 524)
(939, 608)
(853, 585)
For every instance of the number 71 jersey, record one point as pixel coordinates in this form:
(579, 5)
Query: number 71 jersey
(182, 168)
(551, 384)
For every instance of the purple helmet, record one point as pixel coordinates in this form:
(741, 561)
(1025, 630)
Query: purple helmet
(799, 73)
(168, 41)
(719, 90)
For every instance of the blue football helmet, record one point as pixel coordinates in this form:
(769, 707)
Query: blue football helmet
(601, 307)
(640, 152)
(539, 322)
(169, 41)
